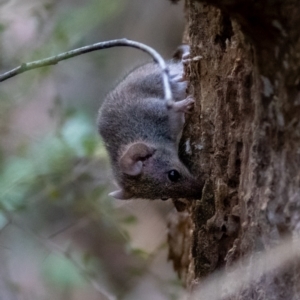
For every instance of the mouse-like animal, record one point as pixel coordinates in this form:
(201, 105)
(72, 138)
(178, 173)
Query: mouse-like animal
(141, 132)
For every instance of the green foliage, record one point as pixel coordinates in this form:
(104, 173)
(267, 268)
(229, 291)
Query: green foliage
(139, 252)
(80, 135)
(53, 188)
(43, 164)
(2, 27)
(72, 26)
(61, 272)
(129, 220)
(3, 220)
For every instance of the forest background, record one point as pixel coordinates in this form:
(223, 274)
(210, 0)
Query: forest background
(61, 236)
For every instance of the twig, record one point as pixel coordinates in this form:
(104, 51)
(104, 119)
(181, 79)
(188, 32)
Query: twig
(98, 46)
(55, 248)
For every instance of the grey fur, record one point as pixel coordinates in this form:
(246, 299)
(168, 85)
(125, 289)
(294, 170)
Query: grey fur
(142, 134)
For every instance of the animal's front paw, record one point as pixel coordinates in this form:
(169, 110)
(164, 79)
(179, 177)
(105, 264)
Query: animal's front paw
(176, 78)
(178, 85)
(185, 105)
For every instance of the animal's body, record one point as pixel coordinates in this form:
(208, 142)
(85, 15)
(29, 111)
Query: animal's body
(141, 134)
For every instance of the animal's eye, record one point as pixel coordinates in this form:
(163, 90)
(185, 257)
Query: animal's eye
(173, 175)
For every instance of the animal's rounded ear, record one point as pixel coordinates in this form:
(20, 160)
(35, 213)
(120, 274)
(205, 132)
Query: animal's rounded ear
(131, 161)
(120, 195)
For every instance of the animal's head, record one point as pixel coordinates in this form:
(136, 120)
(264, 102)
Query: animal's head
(154, 173)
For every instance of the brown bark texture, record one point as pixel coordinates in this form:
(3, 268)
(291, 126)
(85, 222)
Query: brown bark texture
(243, 139)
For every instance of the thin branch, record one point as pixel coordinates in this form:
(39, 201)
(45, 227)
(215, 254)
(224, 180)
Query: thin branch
(53, 60)
(55, 248)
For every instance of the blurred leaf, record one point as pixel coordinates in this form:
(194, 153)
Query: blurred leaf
(89, 145)
(73, 25)
(17, 169)
(100, 152)
(91, 263)
(2, 27)
(87, 258)
(16, 175)
(139, 252)
(79, 134)
(130, 220)
(54, 193)
(42, 165)
(50, 155)
(61, 272)
(3, 220)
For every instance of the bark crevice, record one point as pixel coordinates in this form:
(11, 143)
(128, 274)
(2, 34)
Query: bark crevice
(244, 135)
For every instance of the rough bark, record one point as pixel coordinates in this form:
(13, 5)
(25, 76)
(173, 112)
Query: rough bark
(243, 139)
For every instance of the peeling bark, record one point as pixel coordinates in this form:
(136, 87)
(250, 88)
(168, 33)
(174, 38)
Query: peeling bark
(243, 139)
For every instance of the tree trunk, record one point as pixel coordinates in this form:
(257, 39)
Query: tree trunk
(243, 139)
